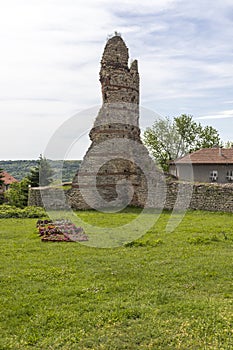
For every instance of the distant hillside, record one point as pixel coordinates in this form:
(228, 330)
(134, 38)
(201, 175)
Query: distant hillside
(21, 168)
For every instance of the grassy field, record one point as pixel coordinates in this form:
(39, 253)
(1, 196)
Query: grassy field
(166, 291)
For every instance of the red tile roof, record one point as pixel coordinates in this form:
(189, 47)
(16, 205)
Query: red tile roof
(7, 178)
(208, 156)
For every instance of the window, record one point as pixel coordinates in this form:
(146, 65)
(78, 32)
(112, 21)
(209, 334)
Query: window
(230, 175)
(214, 175)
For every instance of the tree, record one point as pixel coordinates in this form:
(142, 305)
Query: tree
(169, 139)
(42, 174)
(1, 177)
(228, 144)
(17, 194)
(1, 184)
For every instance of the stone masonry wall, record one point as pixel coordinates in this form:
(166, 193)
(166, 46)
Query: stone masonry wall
(210, 197)
(52, 197)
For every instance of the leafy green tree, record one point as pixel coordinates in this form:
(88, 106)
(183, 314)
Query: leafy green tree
(162, 140)
(169, 139)
(42, 174)
(1, 177)
(1, 183)
(17, 194)
(228, 144)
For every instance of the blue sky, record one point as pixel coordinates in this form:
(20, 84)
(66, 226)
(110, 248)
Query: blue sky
(50, 61)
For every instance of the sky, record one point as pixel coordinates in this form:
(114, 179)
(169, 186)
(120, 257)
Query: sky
(50, 62)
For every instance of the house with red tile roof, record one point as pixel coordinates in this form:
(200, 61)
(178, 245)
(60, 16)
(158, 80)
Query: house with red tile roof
(205, 165)
(7, 181)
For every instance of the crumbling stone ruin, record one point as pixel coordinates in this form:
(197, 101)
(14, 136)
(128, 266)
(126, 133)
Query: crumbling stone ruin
(116, 168)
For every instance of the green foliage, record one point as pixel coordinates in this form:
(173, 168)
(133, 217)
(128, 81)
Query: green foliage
(21, 168)
(1, 177)
(2, 198)
(228, 144)
(18, 168)
(42, 174)
(34, 177)
(162, 139)
(17, 195)
(9, 211)
(1, 183)
(144, 243)
(167, 139)
(175, 295)
(69, 169)
(200, 239)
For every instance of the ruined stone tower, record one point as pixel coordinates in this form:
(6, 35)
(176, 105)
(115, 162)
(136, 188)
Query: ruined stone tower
(120, 94)
(119, 82)
(110, 174)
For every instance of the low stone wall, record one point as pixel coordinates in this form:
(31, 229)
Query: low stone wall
(210, 197)
(51, 197)
(180, 195)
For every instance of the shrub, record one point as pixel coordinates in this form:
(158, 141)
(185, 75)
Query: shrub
(7, 211)
(1, 198)
(17, 195)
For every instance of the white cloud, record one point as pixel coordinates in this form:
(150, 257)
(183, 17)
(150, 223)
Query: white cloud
(51, 51)
(220, 115)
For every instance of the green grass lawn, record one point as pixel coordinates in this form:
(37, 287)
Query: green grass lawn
(166, 291)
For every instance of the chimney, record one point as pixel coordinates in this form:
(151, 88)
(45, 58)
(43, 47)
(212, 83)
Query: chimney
(220, 151)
